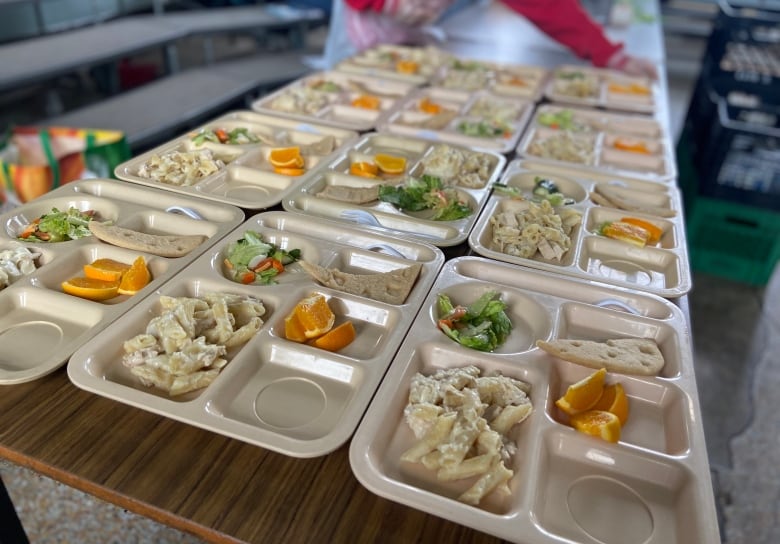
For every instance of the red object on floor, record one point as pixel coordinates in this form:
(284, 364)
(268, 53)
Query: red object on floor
(132, 75)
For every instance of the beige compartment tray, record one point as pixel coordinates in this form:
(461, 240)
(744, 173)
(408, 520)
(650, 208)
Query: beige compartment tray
(286, 396)
(513, 80)
(630, 144)
(246, 178)
(328, 98)
(472, 183)
(412, 64)
(653, 486)
(41, 326)
(587, 86)
(474, 119)
(662, 269)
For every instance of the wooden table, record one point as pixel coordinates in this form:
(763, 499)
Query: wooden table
(218, 488)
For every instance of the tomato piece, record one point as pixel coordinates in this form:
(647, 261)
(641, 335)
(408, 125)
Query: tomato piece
(248, 277)
(222, 135)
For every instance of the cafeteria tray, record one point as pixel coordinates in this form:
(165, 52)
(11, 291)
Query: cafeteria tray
(414, 225)
(621, 143)
(302, 100)
(247, 179)
(662, 269)
(651, 487)
(600, 87)
(40, 325)
(289, 397)
(459, 109)
(515, 80)
(413, 64)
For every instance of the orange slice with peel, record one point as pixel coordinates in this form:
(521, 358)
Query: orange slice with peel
(289, 171)
(286, 157)
(614, 400)
(315, 316)
(406, 67)
(136, 278)
(364, 169)
(428, 106)
(605, 425)
(390, 164)
(584, 394)
(105, 269)
(91, 288)
(337, 338)
(367, 101)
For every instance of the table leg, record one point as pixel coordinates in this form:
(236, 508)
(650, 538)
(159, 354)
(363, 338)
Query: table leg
(11, 530)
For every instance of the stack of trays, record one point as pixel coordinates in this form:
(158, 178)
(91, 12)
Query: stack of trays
(417, 65)
(652, 486)
(40, 325)
(596, 140)
(286, 396)
(661, 268)
(586, 86)
(526, 82)
(477, 119)
(243, 176)
(470, 172)
(340, 99)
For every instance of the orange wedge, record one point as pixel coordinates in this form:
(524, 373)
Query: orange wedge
(364, 169)
(429, 107)
(337, 338)
(289, 171)
(654, 231)
(584, 394)
(314, 315)
(293, 329)
(286, 157)
(91, 288)
(599, 423)
(390, 164)
(136, 278)
(614, 400)
(406, 67)
(367, 101)
(105, 269)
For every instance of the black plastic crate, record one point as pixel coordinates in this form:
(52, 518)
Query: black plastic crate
(741, 162)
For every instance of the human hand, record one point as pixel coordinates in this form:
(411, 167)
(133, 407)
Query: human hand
(633, 66)
(416, 13)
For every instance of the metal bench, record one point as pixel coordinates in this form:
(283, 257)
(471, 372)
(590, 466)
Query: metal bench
(158, 110)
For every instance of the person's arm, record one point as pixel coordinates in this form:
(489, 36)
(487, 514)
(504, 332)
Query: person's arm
(568, 23)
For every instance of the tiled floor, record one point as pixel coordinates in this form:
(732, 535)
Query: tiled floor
(736, 337)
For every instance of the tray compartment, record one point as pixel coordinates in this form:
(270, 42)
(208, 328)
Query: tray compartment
(656, 420)
(587, 322)
(36, 326)
(530, 318)
(19, 218)
(279, 389)
(596, 216)
(609, 89)
(611, 495)
(386, 453)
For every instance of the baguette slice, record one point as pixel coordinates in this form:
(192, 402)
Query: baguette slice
(156, 244)
(391, 287)
(623, 355)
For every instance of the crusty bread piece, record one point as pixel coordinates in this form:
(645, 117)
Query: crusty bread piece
(156, 244)
(356, 195)
(391, 287)
(624, 355)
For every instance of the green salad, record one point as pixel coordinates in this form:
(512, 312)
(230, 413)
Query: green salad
(561, 120)
(487, 128)
(482, 325)
(253, 260)
(426, 193)
(237, 136)
(57, 226)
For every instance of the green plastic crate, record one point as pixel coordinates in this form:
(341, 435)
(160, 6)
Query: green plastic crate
(733, 240)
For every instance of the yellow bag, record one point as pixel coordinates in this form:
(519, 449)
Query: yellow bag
(37, 160)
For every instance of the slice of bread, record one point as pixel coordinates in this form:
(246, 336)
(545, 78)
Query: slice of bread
(623, 355)
(156, 244)
(391, 287)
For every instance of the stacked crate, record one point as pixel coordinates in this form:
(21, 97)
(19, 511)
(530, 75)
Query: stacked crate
(729, 152)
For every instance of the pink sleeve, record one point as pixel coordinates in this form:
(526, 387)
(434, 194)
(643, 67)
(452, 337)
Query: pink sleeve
(366, 5)
(568, 23)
